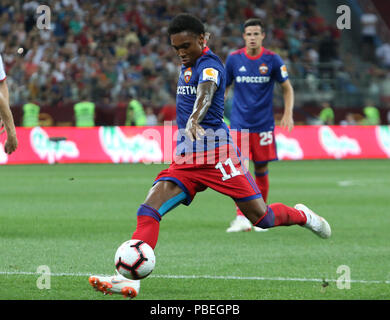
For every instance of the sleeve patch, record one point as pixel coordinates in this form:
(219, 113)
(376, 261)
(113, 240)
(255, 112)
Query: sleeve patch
(283, 71)
(210, 74)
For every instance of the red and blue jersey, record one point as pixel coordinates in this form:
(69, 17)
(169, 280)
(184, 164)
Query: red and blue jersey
(208, 67)
(213, 162)
(254, 79)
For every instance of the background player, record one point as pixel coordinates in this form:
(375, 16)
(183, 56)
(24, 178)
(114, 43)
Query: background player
(254, 70)
(200, 106)
(6, 118)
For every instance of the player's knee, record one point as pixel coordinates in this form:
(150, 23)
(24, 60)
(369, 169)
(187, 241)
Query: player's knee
(154, 198)
(159, 193)
(254, 210)
(260, 213)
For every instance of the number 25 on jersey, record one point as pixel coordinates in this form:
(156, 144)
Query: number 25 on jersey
(266, 138)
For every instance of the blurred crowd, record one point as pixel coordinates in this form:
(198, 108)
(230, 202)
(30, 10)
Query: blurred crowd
(110, 51)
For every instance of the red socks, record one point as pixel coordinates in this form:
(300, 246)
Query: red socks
(287, 216)
(148, 225)
(263, 184)
(279, 214)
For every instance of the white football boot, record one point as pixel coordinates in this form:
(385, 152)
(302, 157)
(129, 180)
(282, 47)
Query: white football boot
(240, 223)
(315, 223)
(116, 284)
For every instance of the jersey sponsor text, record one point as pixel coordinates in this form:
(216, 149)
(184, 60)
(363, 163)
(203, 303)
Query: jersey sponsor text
(186, 90)
(253, 79)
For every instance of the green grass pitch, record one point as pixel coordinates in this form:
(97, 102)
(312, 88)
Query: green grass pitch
(72, 218)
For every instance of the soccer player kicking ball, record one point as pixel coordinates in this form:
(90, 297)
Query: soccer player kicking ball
(254, 70)
(206, 156)
(6, 118)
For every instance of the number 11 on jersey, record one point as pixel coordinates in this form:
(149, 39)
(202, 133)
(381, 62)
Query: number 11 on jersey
(233, 171)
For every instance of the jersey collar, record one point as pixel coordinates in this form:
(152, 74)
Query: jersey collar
(254, 57)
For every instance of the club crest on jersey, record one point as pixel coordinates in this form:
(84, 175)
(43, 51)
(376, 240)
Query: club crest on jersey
(263, 68)
(187, 75)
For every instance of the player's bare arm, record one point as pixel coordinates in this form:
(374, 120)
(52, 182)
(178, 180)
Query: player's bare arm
(7, 119)
(287, 120)
(204, 97)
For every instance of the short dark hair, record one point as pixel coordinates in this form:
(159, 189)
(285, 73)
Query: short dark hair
(255, 22)
(186, 22)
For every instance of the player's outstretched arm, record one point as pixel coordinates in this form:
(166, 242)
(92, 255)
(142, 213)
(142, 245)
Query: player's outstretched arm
(7, 119)
(287, 121)
(204, 96)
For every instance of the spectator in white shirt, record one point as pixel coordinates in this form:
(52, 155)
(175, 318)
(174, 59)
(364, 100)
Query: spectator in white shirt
(383, 55)
(369, 21)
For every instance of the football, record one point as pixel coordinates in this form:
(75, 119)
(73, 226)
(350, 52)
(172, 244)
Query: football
(135, 259)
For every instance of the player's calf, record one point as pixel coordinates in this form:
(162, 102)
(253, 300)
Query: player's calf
(273, 215)
(278, 214)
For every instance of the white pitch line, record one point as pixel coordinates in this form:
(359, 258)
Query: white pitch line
(203, 277)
